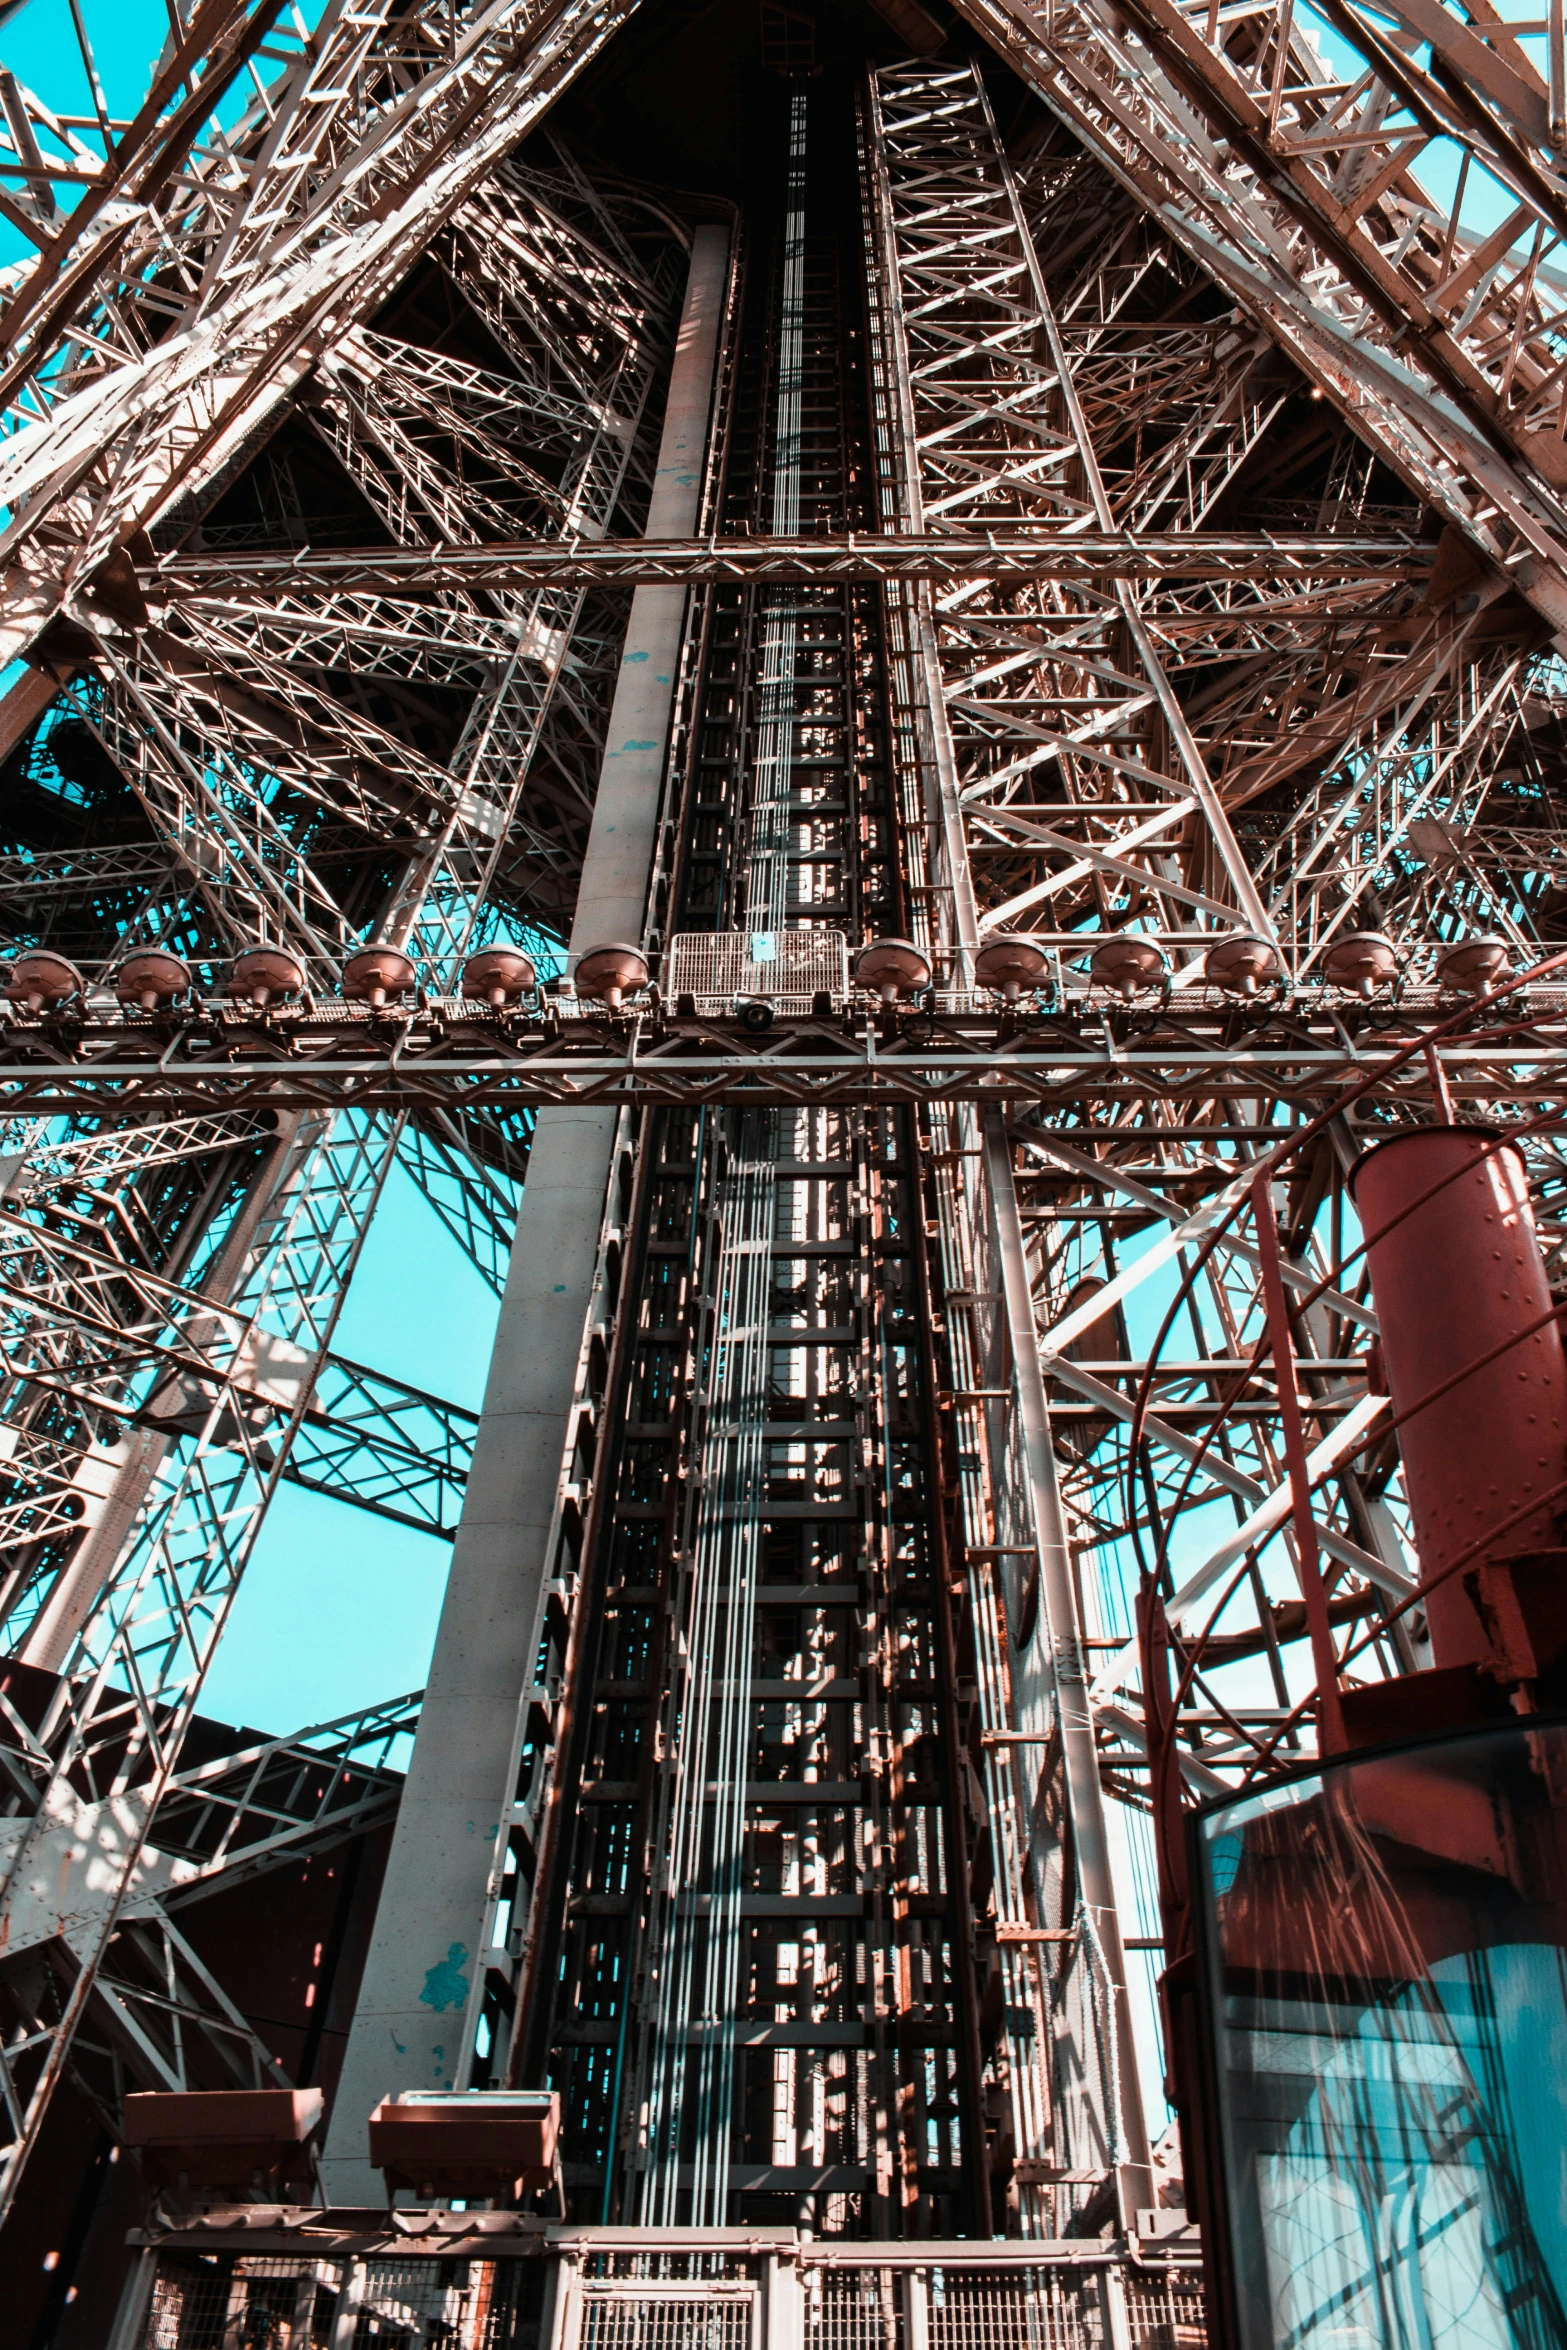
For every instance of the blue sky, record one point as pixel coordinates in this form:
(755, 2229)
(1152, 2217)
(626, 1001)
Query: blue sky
(337, 1608)
(40, 47)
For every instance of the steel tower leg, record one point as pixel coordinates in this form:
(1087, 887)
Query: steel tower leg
(1105, 2117)
(408, 2031)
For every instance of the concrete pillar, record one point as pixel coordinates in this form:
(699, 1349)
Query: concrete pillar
(408, 2025)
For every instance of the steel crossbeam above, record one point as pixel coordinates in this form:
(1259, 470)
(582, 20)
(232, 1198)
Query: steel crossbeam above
(267, 1800)
(1347, 566)
(1187, 1054)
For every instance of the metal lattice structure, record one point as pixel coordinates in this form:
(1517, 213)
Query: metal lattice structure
(1129, 524)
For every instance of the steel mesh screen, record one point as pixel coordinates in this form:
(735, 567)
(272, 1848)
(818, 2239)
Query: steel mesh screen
(719, 965)
(1027, 2309)
(244, 2301)
(663, 2268)
(861, 2310)
(701, 2320)
(1167, 2314)
(261, 2301)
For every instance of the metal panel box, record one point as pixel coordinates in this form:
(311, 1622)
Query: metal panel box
(222, 2137)
(470, 2142)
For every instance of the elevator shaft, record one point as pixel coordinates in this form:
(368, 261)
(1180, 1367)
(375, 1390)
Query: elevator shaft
(763, 1979)
(789, 1894)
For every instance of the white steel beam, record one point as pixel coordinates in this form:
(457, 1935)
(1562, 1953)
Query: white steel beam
(419, 2004)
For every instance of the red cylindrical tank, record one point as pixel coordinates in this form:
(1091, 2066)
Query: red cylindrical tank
(1453, 1278)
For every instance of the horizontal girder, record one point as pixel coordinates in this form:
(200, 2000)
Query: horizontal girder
(998, 555)
(1183, 1057)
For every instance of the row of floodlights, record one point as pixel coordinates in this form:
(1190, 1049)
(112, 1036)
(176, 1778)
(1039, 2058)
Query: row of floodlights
(152, 979)
(894, 969)
(1128, 964)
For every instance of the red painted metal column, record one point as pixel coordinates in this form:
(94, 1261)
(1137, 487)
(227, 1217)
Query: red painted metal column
(1458, 1279)
(1330, 1712)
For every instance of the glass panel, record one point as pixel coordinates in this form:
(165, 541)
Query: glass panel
(1387, 1979)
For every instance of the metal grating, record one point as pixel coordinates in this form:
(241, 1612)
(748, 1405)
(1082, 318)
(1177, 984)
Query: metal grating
(1166, 2313)
(457, 2304)
(862, 2310)
(224, 2300)
(717, 967)
(1024, 2309)
(615, 2317)
(262, 2301)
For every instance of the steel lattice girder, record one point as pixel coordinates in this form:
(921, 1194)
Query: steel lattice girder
(1298, 194)
(1344, 568)
(226, 744)
(134, 1624)
(1046, 703)
(1175, 1060)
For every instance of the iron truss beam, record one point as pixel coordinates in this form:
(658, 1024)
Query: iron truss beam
(383, 1446)
(1299, 192)
(158, 2018)
(1283, 559)
(295, 224)
(1192, 1051)
(364, 1437)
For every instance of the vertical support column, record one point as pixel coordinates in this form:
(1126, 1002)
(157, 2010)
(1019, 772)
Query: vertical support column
(350, 2300)
(1082, 1792)
(1117, 2315)
(1085, 1801)
(783, 2313)
(916, 2309)
(565, 2331)
(408, 2026)
(130, 2318)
